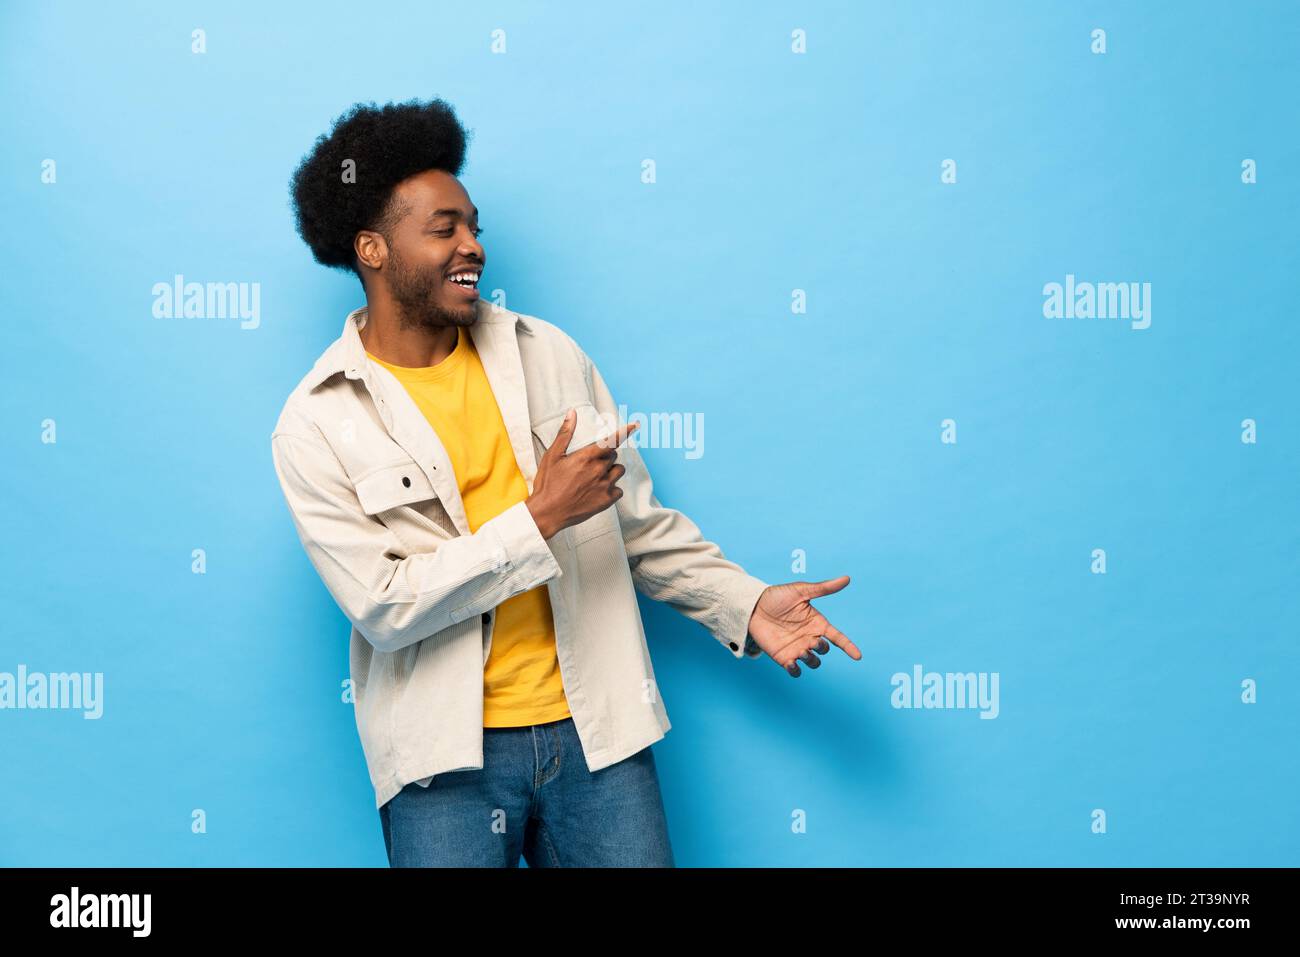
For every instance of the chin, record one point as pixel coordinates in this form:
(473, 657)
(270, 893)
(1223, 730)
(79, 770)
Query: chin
(460, 313)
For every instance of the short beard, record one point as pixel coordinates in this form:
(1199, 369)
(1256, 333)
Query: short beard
(416, 293)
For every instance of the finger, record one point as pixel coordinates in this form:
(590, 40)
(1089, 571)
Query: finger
(816, 645)
(808, 655)
(810, 658)
(828, 587)
(841, 640)
(562, 437)
(618, 436)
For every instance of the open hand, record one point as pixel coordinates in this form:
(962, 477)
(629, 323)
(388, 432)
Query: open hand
(791, 630)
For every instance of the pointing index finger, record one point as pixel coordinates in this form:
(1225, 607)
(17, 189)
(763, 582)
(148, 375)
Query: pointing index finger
(618, 436)
(841, 640)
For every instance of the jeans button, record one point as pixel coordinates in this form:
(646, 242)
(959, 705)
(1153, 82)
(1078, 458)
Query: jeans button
(487, 617)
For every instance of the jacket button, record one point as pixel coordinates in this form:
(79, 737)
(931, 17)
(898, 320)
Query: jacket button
(732, 645)
(406, 481)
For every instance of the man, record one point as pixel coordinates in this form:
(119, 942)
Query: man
(457, 475)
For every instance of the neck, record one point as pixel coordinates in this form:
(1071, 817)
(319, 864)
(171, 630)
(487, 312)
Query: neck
(401, 341)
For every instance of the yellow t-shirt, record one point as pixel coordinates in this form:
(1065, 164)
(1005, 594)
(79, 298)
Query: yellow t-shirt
(521, 679)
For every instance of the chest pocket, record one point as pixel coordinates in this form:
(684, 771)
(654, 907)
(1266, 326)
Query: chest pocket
(403, 485)
(587, 429)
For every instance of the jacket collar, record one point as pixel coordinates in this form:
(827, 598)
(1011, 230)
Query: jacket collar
(347, 355)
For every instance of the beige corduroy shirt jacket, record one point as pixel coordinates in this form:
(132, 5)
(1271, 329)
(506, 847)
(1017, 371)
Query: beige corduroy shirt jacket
(376, 505)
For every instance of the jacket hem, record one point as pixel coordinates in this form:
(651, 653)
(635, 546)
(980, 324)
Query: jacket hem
(597, 761)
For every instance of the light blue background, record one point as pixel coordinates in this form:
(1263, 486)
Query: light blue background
(775, 172)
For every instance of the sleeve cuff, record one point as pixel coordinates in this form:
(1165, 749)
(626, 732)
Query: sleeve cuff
(523, 547)
(737, 608)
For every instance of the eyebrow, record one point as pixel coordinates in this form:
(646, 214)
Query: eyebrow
(448, 212)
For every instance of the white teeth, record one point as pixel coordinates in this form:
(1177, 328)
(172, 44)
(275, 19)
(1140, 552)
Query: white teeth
(467, 278)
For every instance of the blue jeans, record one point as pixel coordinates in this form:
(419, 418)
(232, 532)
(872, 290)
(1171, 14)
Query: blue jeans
(534, 796)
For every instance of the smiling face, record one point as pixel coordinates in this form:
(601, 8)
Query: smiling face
(432, 260)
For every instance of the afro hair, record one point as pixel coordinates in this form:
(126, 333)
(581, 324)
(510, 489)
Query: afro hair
(385, 145)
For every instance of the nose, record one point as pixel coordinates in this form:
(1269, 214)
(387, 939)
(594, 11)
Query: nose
(471, 247)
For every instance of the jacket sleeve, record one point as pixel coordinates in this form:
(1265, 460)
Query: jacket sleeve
(670, 559)
(394, 598)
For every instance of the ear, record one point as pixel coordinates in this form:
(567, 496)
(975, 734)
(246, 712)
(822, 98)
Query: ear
(370, 247)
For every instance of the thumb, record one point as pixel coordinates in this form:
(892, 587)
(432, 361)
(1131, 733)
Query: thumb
(827, 587)
(564, 435)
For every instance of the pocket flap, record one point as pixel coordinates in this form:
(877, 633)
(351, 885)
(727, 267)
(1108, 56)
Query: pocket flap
(587, 429)
(392, 485)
